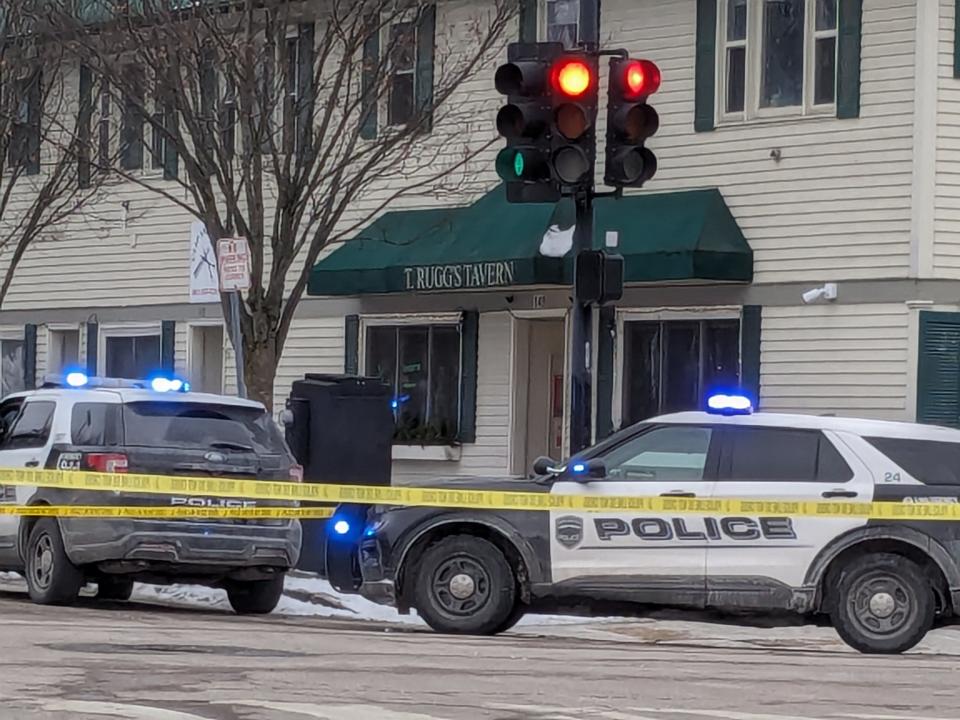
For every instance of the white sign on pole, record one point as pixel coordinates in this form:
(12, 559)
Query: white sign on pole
(204, 283)
(233, 255)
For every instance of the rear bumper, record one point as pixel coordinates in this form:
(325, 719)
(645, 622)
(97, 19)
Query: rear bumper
(210, 547)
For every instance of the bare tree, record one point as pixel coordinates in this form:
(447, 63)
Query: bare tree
(290, 124)
(46, 177)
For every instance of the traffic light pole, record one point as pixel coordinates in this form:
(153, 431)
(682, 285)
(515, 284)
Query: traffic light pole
(581, 345)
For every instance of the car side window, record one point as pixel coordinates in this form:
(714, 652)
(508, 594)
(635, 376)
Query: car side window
(784, 455)
(669, 453)
(95, 424)
(32, 427)
(8, 413)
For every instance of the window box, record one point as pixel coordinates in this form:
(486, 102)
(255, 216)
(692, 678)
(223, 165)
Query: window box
(435, 453)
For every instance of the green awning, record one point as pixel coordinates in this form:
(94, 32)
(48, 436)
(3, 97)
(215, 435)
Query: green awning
(664, 237)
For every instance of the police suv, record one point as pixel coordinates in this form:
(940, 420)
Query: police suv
(882, 584)
(156, 427)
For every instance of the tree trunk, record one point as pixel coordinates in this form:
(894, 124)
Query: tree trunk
(260, 371)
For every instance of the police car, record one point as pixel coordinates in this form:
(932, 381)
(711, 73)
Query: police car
(881, 584)
(156, 427)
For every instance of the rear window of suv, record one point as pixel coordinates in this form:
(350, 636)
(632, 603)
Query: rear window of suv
(929, 461)
(205, 426)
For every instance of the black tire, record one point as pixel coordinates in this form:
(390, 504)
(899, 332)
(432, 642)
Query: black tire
(515, 616)
(882, 604)
(485, 581)
(255, 597)
(51, 578)
(114, 588)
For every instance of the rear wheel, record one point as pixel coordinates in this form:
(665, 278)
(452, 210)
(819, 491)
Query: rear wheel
(464, 585)
(114, 589)
(255, 597)
(51, 578)
(884, 603)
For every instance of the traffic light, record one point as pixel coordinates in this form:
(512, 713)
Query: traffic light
(574, 93)
(631, 122)
(598, 277)
(527, 122)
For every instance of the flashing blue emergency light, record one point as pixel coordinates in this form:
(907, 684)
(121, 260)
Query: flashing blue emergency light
(341, 527)
(729, 404)
(578, 468)
(76, 379)
(165, 385)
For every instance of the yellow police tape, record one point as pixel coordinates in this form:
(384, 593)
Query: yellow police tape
(588, 501)
(167, 512)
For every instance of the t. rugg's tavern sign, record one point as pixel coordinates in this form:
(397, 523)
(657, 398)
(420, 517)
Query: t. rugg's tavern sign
(459, 276)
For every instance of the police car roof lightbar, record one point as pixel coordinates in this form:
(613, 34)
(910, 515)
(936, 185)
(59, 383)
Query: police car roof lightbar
(79, 379)
(729, 404)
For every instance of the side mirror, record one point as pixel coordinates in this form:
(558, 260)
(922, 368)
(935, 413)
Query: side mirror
(587, 470)
(543, 466)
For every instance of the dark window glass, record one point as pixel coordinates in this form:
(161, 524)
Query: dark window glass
(782, 62)
(736, 79)
(670, 366)
(195, 425)
(664, 454)
(563, 21)
(403, 45)
(786, 455)
(95, 424)
(826, 14)
(31, 429)
(422, 365)
(773, 454)
(11, 367)
(825, 71)
(8, 413)
(737, 20)
(134, 358)
(929, 461)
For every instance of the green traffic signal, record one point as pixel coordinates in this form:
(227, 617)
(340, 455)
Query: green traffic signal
(518, 165)
(522, 165)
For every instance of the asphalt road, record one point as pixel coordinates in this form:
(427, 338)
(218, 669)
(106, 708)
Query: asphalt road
(141, 662)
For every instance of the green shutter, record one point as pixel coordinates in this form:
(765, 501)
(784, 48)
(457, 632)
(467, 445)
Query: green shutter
(529, 22)
(469, 339)
(351, 345)
(168, 345)
(84, 128)
(956, 39)
(369, 77)
(706, 66)
(606, 346)
(750, 327)
(30, 356)
(426, 40)
(848, 58)
(305, 86)
(93, 333)
(938, 370)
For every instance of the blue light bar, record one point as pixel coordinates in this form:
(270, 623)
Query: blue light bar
(578, 468)
(77, 379)
(165, 385)
(729, 404)
(341, 527)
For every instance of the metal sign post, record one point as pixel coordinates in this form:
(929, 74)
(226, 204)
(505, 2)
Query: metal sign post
(233, 260)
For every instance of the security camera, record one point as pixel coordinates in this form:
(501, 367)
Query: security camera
(827, 292)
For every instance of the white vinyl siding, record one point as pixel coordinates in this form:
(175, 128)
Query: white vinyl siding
(842, 359)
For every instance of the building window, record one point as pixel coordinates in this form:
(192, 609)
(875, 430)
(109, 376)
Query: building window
(777, 57)
(669, 366)
(422, 365)
(131, 125)
(135, 357)
(24, 151)
(11, 367)
(403, 48)
(63, 350)
(563, 22)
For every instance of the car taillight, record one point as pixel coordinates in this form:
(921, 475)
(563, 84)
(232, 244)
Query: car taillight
(296, 473)
(107, 462)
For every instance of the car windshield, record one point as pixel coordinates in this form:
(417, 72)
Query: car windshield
(201, 425)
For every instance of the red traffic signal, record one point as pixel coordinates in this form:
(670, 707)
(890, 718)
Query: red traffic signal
(573, 77)
(639, 79)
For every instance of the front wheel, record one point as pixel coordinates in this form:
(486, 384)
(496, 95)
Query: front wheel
(51, 578)
(883, 604)
(464, 585)
(255, 597)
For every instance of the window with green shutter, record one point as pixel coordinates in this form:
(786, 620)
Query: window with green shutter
(938, 369)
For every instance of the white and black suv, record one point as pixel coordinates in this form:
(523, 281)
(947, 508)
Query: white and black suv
(121, 426)
(882, 584)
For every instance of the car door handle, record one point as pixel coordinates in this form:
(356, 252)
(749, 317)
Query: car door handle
(678, 493)
(838, 494)
(32, 463)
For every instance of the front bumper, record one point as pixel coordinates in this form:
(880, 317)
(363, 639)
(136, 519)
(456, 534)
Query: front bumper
(209, 545)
